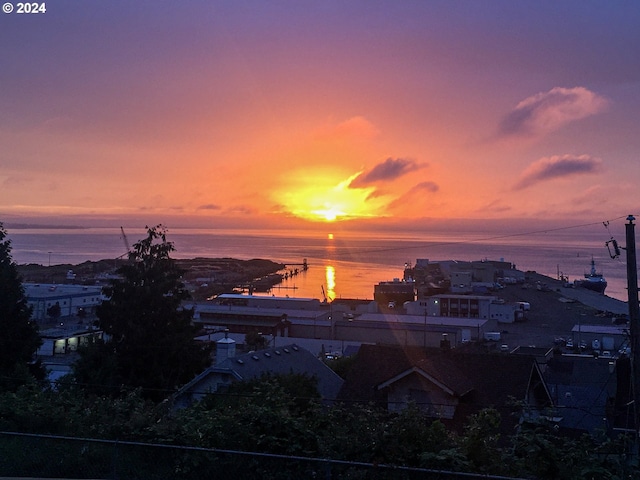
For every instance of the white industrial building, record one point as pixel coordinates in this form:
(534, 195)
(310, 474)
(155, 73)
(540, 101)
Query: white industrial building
(72, 299)
(486, 307)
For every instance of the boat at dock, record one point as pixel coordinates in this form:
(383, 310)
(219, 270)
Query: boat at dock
(593, 280)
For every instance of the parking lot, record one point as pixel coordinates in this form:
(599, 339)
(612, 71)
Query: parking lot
(554, 311)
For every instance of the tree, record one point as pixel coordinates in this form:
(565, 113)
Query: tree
(20, 338)
(54, 311)
(255, 341)
(149, 333)
(480, 442)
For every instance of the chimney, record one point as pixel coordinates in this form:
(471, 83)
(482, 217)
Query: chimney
(225, 348)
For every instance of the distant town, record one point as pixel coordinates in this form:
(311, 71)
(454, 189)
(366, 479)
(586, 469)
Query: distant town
(456, 310)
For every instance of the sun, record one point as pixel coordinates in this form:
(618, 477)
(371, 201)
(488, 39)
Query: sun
(330, 214)
(321, 198)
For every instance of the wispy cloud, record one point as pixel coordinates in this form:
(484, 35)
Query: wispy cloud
(548, 111)
(417, 192)
(386, 171)
(209, 206)
(241, 210)
(431, 187)
(496, 206)
(352, 128)
(558, 166)
(14, 181)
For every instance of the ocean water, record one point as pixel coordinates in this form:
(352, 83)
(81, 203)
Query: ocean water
(343, 264)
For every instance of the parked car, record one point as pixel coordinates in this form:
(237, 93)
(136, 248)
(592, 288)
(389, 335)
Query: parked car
(625, 351)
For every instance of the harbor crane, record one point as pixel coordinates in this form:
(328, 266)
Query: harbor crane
(126, 243)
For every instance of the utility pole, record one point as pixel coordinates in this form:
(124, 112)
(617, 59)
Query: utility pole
(634, 317)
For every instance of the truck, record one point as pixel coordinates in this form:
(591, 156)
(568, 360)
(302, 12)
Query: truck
(492, 336)
(608, 343)
(465, 335)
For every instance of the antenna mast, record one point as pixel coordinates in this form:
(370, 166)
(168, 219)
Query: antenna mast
(632, 292)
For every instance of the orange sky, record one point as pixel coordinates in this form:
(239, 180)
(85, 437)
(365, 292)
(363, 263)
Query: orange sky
(213, 114)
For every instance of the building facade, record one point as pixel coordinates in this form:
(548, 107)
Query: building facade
(73, 300)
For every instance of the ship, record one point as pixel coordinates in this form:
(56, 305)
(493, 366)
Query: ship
(593, 280)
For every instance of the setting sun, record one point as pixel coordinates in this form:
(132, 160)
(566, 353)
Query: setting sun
(330, 214)
(329, 200)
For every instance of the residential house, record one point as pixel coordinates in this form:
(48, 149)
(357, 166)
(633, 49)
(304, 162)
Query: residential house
(583, 389)
(447, 384)
(277, 360)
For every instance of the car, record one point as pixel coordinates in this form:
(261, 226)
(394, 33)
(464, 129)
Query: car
(625, 351)
(504, 347)
(605, 354)
(569, 344)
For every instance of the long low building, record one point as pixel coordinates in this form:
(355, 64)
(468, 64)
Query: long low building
(73, 300)
(275, 316)
(309, 318)
(608, 337)
(409, 330)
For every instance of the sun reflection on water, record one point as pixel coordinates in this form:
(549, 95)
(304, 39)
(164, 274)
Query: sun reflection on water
(330, 274)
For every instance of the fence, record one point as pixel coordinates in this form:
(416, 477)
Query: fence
(48, 456)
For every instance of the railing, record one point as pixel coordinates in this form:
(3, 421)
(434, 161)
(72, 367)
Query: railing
(49, 456)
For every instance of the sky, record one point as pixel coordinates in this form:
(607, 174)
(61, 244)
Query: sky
(298, 113)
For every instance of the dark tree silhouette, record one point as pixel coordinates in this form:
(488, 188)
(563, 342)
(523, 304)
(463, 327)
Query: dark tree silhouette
(54, 311)
(255, 340)
(19, 338)
(149, 333)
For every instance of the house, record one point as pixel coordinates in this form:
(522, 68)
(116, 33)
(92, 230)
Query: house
(277, 360)
(447, 384)
(583, 389)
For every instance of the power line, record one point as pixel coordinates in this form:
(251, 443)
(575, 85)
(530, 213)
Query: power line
(489, 238)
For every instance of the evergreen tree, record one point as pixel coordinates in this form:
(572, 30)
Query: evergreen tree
(19, 337)
(149, 333)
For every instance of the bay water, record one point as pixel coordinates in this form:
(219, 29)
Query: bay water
(342, 264)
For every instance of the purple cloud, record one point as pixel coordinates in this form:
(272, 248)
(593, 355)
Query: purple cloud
(241, 210)
(209, 206)
(548, 168)
(431, 187)
(416, 190)
(548, 111)
(386, 171)
(496, 206)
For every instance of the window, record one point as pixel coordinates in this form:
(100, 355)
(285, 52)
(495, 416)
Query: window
(422, 399)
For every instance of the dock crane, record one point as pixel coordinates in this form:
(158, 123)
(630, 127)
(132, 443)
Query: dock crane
(126, 243)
